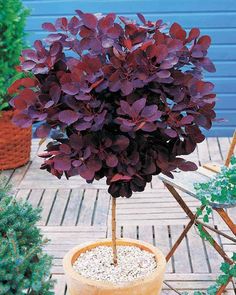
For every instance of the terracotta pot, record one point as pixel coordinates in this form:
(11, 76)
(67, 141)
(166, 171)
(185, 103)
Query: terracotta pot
(79, 285)
(15, 142)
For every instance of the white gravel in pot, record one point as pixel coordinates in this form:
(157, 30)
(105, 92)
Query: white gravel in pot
(133, 264)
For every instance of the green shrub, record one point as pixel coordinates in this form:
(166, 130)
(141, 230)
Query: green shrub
(24, 268)
(12, 22)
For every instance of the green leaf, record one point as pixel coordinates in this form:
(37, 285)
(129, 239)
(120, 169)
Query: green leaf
(234, 256)
(222, 279)
(206, 218)
(212, 290)
(225, 267)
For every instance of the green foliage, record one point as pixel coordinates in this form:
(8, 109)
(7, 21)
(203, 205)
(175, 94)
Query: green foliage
(24, 268)
(12, 22)
(221, 190)
(228, 271)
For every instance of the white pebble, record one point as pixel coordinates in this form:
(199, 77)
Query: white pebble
(133, 264)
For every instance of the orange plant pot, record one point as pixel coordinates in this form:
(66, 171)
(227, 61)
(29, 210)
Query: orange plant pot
(79, 285)
(15, 142)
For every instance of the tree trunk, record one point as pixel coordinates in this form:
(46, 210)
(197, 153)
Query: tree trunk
(114, 249)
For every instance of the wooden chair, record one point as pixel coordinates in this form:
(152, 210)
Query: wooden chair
(184, 182)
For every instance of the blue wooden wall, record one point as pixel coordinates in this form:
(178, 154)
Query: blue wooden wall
(214, 17)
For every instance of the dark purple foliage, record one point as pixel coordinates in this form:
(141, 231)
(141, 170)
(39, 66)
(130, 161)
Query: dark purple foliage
(125, 105)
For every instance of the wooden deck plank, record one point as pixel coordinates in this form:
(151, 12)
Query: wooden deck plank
(130, 232)
(74, 203)
(197, 252)
(182, 264)
(157, 183)
(46, 204)
(6, 175)
(203, 152)
(87, 207)
(224, 144)
(145, 233)
(214, 258)
(35, 197)
(60, 286)
(19, 174)
(162, 241)
(214, 151)
(23, 194)
(102, 208)
(59, 207)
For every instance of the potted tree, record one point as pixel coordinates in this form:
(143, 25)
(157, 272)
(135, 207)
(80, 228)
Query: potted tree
(121, 100)
(15, 141)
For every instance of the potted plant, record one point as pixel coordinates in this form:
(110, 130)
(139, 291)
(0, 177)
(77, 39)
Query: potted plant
(24, 267)
(15, 141)
(121, 100)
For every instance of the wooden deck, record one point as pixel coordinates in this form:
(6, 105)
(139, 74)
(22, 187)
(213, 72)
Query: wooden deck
(75, 212)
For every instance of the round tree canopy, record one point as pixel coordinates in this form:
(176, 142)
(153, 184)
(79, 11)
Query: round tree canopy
(121, 99)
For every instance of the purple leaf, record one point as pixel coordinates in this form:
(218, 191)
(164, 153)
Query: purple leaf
(71, 88)
(171, 133)
(62, 23)
(55, 93)
(107, 43)
(28, 65)
(49, 104)
(149, 127)
(187, 166)
(138, 105)
(125, 107)
(40, 69)
(151, 113)
(83, 97)
(176, 31)
(111, 161)
(121, 143)
(120, 177)
(55, 48)
(204, 41)
(65, 149)
(43, 131)
(68, 117)
(22, 120)
(193, 34)
(73, 25)
(203, 121)
(187, 120)
(89, 20)
(208, 65)
(86, 173)
(83, 126)
(142, 18)
(127, 87)
(94, 164)
(49, 27)
(163, 74)
(62, 163)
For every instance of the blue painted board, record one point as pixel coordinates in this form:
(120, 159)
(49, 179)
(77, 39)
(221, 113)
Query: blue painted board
(53, 7)
(222, 20)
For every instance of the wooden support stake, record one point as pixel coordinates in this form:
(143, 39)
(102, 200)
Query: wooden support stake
(223, 214)
(231, 150)
(223, 287)
(114, 248)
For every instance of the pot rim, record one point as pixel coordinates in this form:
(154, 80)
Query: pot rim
(71, 255)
